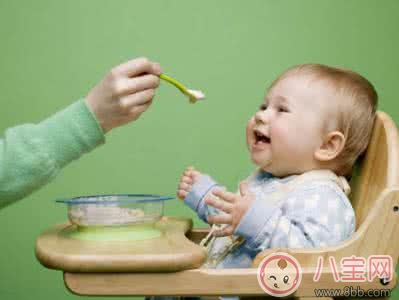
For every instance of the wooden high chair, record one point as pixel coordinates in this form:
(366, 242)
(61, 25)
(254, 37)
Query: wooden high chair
(375, 197)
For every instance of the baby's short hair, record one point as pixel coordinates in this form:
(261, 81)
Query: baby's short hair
(357, 104)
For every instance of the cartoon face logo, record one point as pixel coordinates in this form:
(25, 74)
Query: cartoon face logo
(279, 274)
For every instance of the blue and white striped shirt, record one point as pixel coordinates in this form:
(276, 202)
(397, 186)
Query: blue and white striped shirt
(298, 211)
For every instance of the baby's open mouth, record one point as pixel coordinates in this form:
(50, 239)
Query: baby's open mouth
(261, 138)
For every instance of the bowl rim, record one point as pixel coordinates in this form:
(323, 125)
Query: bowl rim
(142, 198)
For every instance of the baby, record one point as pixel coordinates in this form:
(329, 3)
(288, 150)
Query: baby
(314, 123)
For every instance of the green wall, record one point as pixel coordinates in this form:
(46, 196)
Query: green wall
(53, 52)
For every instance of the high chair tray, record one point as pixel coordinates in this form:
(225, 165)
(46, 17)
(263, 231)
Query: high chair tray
(171, 251)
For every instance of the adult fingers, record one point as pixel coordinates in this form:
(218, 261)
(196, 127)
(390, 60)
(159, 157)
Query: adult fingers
(137, 99)
(137, 110)
(126, 86)
(136, 67)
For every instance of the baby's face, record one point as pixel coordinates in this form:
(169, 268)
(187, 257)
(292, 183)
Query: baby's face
(288, 128)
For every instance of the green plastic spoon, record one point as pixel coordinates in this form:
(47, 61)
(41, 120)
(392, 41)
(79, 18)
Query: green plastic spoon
(193, 95)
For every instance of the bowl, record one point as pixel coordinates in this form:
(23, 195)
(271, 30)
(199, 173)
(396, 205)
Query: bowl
(115, 210)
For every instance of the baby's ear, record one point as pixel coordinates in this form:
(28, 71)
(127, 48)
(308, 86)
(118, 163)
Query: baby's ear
(332, 146)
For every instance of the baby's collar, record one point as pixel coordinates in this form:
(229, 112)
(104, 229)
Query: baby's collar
(262, 175)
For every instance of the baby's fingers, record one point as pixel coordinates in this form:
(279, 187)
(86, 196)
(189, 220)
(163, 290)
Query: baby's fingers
(184, 186)
(181, 194)
(188, 170)
(220, 219)
(186, 179)
(227, 196)
(225, 231)
(192, 173)
(219, 204)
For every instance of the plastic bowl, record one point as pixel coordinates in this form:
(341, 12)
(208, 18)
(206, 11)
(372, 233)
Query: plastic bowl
(115, 210)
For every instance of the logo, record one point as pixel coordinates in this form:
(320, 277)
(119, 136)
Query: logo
(279, 274)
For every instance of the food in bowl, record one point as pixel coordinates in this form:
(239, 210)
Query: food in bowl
(115, 210)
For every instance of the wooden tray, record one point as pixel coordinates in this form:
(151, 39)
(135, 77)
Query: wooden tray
(171, 251)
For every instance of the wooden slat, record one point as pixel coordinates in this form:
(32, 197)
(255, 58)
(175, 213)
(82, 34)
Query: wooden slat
(379, 169)
(197, 282)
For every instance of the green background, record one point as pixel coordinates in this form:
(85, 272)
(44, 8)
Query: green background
(53, 52)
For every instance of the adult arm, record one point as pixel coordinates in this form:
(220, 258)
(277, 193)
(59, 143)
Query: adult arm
(33, 154)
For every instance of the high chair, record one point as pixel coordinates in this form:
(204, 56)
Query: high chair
(375, 198)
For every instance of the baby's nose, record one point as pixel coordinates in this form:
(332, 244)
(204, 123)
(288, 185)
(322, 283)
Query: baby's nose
(262, 116)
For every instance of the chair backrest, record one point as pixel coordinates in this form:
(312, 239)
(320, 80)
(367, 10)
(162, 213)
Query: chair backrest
(379, 168)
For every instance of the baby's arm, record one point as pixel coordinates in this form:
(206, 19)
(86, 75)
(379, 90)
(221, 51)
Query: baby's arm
(194, 187)
(311, 217)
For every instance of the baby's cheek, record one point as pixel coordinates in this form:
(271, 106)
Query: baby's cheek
(284, 136)
(287, 145)
(250, 124)
(249, 130)
(280, 135)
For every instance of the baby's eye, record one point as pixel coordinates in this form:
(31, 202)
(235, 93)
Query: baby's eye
(282, 109)
(263, 106)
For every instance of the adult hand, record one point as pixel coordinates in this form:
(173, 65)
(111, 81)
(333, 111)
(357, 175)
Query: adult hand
(124, 93)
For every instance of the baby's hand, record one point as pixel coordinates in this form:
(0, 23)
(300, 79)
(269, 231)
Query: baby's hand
(233, 207)
(124, 93)
(189, 177)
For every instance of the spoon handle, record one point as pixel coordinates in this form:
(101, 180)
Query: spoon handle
(174, 82)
